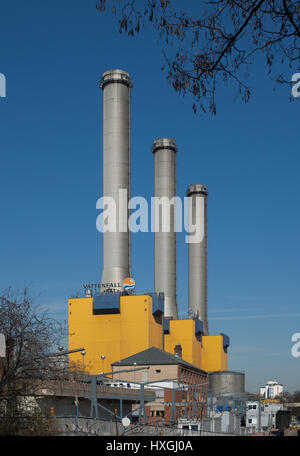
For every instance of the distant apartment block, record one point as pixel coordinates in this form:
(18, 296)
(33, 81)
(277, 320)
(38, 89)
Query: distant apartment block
(271, 390)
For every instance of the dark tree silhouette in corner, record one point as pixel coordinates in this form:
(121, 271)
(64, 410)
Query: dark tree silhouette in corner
(31, 337)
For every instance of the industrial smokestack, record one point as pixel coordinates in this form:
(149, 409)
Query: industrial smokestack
(164, 150)
(116, 86)
(198, 254)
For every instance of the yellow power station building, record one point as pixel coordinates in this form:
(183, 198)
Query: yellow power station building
(112, 326)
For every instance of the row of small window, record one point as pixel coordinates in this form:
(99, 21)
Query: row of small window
(254, 407)
(254, 420)
(157, 413)
(191, 427)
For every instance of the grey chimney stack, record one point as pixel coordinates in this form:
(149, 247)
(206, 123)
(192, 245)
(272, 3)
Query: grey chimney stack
(116, 86)
(198, 255)
(164, 151)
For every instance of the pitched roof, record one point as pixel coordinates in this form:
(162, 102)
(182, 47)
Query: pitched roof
(152, 356)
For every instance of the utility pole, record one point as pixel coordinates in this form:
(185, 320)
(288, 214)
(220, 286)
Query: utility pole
(102, 358)
(259, 416)
(77, 404)
(116, 421)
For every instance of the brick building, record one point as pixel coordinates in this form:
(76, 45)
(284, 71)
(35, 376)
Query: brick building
(176, 382)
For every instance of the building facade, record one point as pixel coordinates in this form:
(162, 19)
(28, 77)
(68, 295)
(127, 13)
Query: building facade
(261, 416)
(271, 390)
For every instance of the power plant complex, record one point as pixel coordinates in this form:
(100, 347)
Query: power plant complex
(112, 323)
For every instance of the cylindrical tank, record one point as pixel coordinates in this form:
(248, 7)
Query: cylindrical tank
(116, 86)
(226, 383)
(164, 151)
(198, 254)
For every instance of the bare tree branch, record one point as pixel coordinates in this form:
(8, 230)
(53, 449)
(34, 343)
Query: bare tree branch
(215, 47)
(31, 337)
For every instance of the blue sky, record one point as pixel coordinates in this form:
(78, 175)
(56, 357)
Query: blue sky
(53, 56)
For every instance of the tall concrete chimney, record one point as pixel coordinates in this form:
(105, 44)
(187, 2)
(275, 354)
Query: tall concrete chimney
(198, 255)
(116, 86)
(164, 150)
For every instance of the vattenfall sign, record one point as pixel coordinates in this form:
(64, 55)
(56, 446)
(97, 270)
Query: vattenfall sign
(127, 285)
(104, 286)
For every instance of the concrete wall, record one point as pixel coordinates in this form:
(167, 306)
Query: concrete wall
(155, 373)
(73, 427)
(88, 427)
(65, 406)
